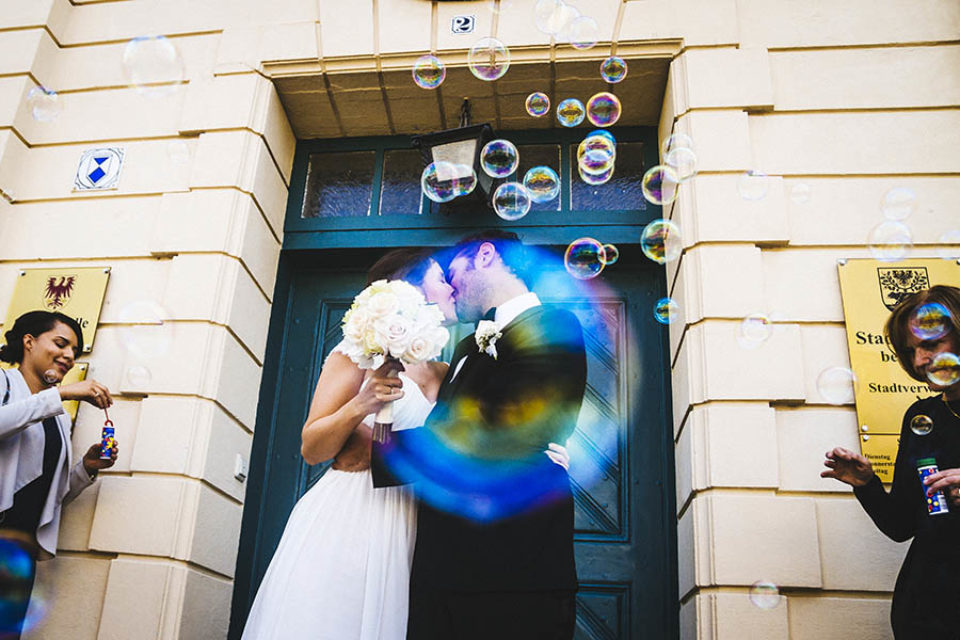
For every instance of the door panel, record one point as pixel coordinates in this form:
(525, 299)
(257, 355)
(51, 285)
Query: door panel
(621, 452)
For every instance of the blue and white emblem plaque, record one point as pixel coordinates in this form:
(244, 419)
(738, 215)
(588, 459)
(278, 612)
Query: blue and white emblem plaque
(99, 169)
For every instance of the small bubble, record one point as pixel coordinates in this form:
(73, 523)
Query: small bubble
(666, 311)
(898, 203)
(753, 185)
(944, 369)
(438, 181)
(542, 183)
(138, 375)
(429, 72)
(660, 185)
(684, 161)
(146, 332)
(921, 425)
(153, 65)
(583, 32)
(570, 112)
(754, 330)
(930, 321)
(890, 241)
(837, 385)
(511, 201)
(603, 109)
(488, 59)
(596, 154)
(661, 241)
(951, 242)
(800, 193)
(611, 254)
(765, 595)
(595, 179)
(584, 258)
(45, 104)
(51, 376)
(537, 104)
(676, 141)
(613, 69)
(499, 158)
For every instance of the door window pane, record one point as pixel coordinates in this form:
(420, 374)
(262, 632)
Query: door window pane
(534, 155)
(400, 188)
(621, 193)
(339, 184)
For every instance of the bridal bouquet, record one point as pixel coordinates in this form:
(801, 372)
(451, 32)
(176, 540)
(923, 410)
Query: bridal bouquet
(391, 319)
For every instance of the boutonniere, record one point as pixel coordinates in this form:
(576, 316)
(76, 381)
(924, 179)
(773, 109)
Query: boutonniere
(486, 336)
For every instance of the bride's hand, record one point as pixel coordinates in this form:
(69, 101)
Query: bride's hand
(381, 388)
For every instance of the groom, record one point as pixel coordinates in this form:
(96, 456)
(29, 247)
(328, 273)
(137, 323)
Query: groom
(504, 398)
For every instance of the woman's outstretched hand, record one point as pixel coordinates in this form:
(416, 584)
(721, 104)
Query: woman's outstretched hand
(89, 391)
(947, 481)
(849, 467)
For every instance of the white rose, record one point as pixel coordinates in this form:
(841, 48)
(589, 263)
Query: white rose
(383, 303)
(419, 350)
(354, 323)
(393, 333)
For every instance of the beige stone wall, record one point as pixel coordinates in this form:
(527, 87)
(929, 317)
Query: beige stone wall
(850, 98)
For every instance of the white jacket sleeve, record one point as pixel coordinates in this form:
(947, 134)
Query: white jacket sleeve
(17, 415)
(79, 480)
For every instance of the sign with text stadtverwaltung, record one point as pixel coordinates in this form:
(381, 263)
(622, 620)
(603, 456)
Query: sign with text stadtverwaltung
(870, 290)
(74, 291)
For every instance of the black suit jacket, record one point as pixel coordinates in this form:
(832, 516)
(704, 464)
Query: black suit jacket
(499, 413)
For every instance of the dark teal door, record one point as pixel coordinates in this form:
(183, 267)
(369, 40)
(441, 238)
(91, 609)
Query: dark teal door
(625, 523)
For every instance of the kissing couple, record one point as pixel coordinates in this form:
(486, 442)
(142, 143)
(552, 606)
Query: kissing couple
(460, 526)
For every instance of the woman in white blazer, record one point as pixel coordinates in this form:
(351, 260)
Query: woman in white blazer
(37, 474)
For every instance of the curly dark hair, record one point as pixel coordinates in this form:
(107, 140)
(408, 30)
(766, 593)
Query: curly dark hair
(35, 323)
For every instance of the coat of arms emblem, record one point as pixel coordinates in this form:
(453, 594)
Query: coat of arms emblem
(58, 291)
(896, 283)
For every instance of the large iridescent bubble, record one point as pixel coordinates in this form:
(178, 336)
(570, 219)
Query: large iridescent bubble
(661, 241)
(537, 104)
(511, 201)
(613, 69)
(930, 321)
(153, 65)
(439, 181)
(542, 183)
(570, 112)
(660, 184)
(596, 154)
(489, 59)
(499, 158)
(944, 369)
(428, 72)
(603, 109)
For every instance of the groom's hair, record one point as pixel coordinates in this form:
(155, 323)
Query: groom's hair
(509, 247)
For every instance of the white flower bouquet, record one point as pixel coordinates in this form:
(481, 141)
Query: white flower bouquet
(391, 319)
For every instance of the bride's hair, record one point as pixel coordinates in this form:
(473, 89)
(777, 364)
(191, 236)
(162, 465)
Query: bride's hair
(409, 264)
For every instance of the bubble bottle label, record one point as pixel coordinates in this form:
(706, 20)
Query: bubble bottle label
(107, 440)
(937, 503)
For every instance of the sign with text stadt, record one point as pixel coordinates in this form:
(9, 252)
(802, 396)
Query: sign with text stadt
(870, 290)
(74, 291)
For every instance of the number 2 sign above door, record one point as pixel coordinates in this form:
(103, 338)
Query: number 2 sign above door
(463, 24)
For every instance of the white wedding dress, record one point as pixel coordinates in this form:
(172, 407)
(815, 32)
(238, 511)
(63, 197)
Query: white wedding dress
(342, 568)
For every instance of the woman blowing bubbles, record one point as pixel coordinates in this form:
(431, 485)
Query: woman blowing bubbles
(926, 599)
(37, 475)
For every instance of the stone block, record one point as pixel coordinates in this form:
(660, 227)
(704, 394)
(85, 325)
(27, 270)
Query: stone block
(405, 26)
(721, 139)
(816, 618)
(803, 285)
(711, 209)
(804, 436)
(143, 601)
(696, 22)
(67, 598)
(734, 77)
(346, 33)
(855, 555)
(824, 346)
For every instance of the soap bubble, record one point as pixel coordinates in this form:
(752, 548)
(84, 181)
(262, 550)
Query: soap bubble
(178, 151)
(542, 183)
(611, 254)
(666, 311)
(660, 184)
(570, 112)
(890, 241)
(765, 595)
(800, 193)
(584, 258)
(45, 104)
(753, 185)
(511, 201)
(146, 330)
(138, 376)
(684, 161)
(603, 133)
(837, 385)
(613, 69)
(439, 181)
(488, 59)
(583, 32)
(466, 179)
(429, 72)
(499, 6)
(544, 15)
(754, 330)
(499, 158)
(51, 376)
(951, 240)
(603, 109)
(538, 104)
(898, 203)
(676, 141)
(595, 179)
(930, 321)
(921, 425)
(661, 241)
(596, 154)
(944, 369)
(153, 65)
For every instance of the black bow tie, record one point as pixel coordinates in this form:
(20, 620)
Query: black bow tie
(490, 315)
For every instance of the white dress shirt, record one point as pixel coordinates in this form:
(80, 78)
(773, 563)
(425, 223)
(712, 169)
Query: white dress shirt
(504, 315)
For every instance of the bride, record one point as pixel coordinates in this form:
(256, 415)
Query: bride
(342, 567)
